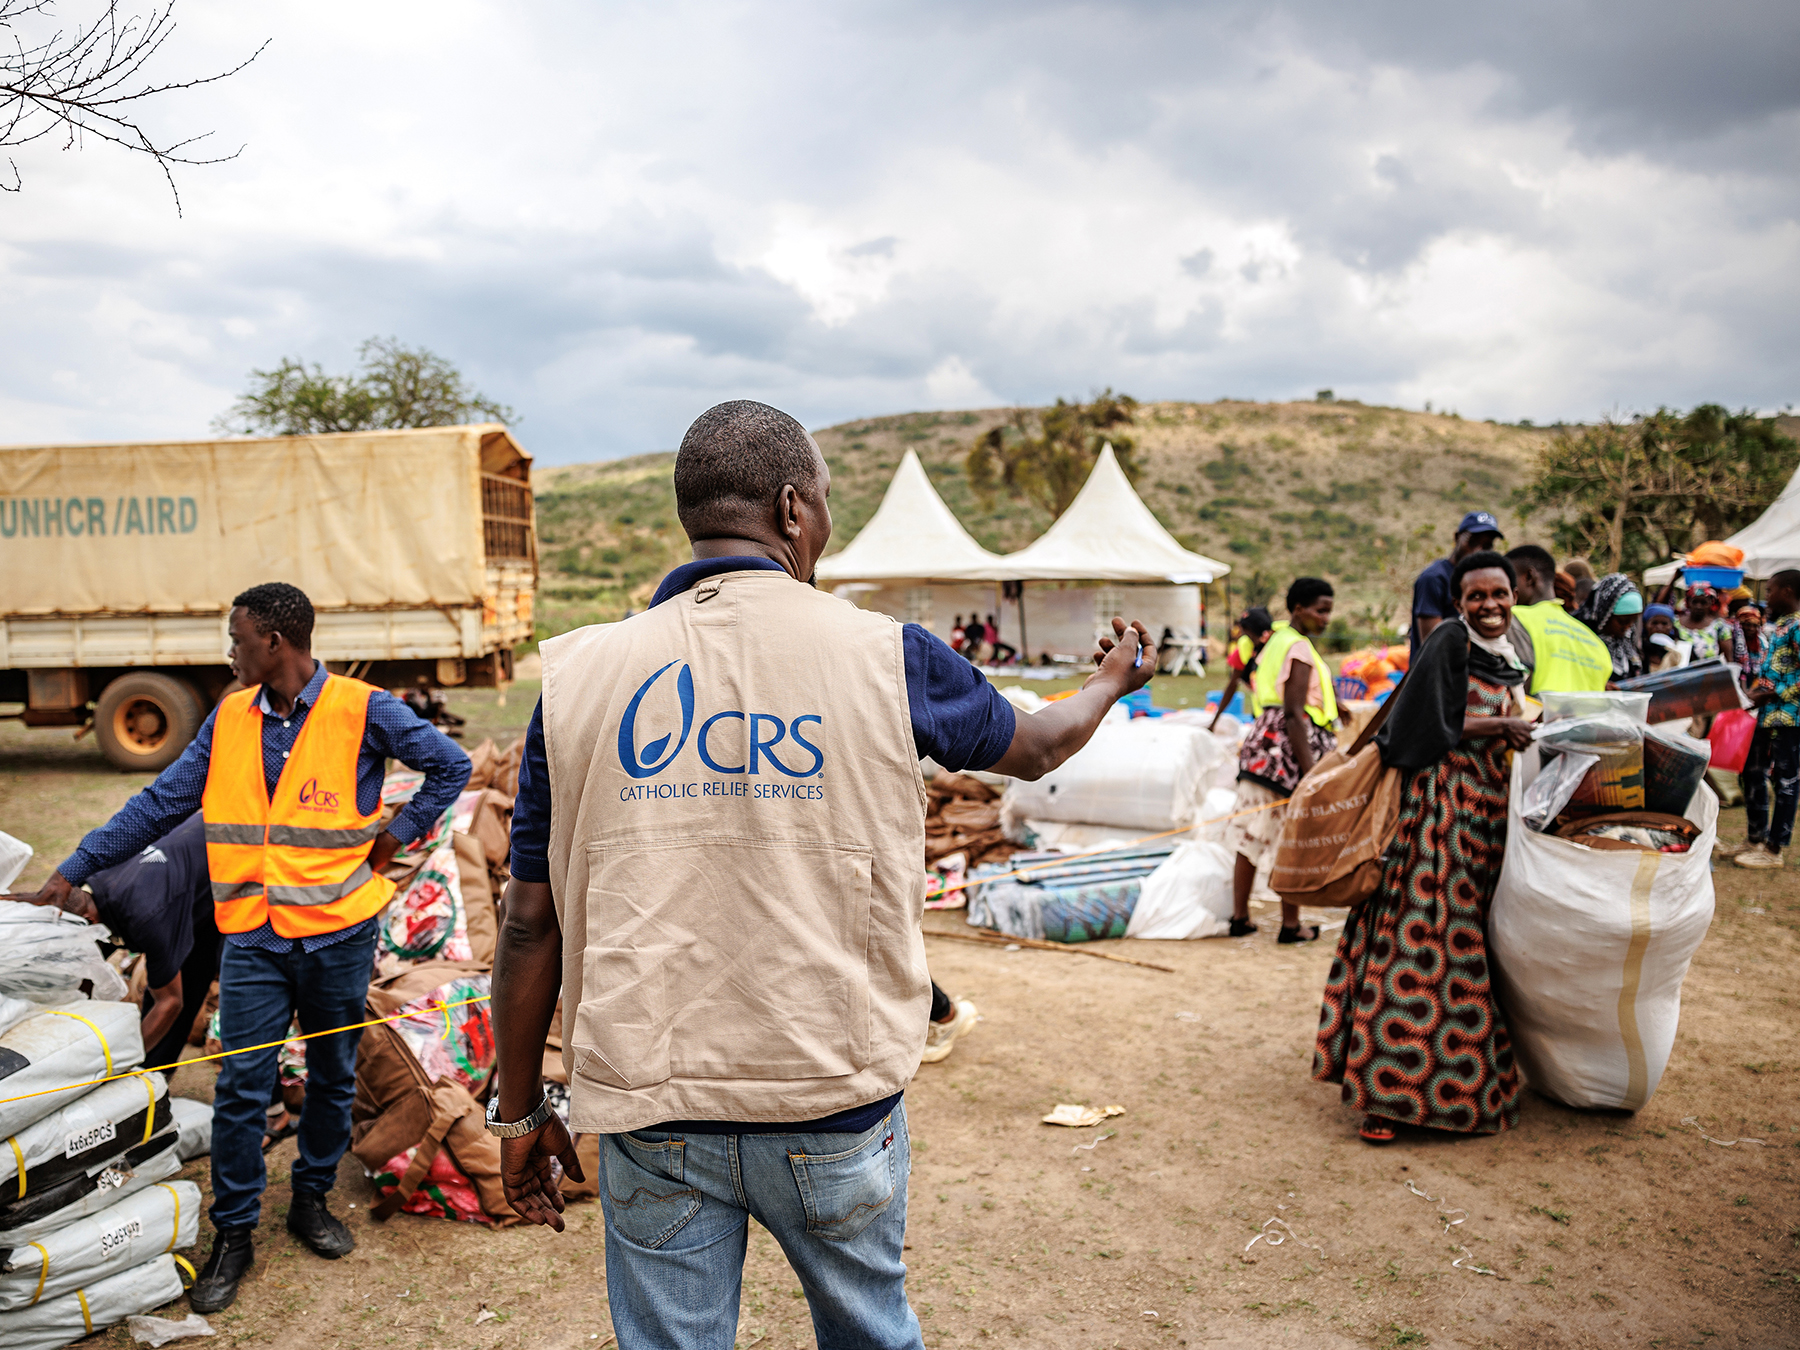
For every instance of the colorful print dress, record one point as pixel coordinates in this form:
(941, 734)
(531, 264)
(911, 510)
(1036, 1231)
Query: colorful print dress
(1410, 1025)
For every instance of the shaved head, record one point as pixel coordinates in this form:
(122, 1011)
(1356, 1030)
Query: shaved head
(734, 461)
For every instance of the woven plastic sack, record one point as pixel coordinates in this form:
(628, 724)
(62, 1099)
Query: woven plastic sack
(1189, 896)
(426, 920)
(1590, 948)
(445, 1192)
(54, 1322)
(67, 1047)
(160, 1218)
(457, 1042)
(193, 1125)
(94, 1128)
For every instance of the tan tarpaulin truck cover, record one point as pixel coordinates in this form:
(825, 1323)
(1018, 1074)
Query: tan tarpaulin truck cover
(356, 520)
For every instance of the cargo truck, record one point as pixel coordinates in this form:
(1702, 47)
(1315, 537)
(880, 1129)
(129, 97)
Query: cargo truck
(118, 564)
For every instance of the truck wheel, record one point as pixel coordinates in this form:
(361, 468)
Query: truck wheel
(144, 720)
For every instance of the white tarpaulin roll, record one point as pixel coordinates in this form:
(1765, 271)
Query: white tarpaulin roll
(1189, 896)
(1590, 948)
(65, 1047)
(1138, 774)
(163, 1217)
(54, 1322)
(92, 1128)
(141, 1167)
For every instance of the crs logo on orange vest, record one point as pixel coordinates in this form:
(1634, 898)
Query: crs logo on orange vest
(316, 798)
(765, 731)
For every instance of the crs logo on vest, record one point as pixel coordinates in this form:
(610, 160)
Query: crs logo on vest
(763, 732)
(315, 798)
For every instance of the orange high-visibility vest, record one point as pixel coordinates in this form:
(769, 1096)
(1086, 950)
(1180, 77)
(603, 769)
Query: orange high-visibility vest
(301, 861)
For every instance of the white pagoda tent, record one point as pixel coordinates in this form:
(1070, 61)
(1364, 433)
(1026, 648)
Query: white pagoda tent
(911, 537)
(1108, 534)
(1771, 542)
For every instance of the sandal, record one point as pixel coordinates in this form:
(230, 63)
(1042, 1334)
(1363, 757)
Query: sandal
(272, 1137)
(1298, 934)
(1242, 927)
(1377, 1130)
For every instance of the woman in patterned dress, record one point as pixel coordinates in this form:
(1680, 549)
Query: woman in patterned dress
(1410, 1025)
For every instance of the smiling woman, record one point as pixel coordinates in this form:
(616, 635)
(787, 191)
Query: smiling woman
(1410, 1025)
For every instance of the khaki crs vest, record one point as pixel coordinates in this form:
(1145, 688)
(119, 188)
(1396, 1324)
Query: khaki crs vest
(737, 846)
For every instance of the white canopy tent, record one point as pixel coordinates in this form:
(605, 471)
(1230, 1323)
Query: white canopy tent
(1108, 534)
(1771, 542)
(911, 537)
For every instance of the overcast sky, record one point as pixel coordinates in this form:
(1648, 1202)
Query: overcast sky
(613, 215)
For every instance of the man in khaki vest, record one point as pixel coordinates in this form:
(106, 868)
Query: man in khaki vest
(718, 851)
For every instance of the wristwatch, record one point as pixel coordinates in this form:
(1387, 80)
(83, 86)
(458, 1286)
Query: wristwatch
(519, 1127)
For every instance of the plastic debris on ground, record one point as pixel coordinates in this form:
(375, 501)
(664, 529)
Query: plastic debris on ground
(154, 1331)
(1067, 898)
(1081, 1117)
(59, 1321)
(158, 1219)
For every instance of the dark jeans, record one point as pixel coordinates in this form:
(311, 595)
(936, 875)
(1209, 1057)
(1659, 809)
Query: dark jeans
(197, 974)
(1775, 751)
(259, 992)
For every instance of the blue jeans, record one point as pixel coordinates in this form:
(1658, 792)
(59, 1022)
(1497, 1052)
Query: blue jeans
(259, 993)
(677, 1222)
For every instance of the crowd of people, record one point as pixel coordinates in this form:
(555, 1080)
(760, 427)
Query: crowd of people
(1409, 1025)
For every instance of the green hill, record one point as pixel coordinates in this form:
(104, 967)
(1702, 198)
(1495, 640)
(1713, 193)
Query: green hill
(1362, 495)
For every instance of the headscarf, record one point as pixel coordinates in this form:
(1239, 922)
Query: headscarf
(1428, 708)
(1659, 612)
(1598, 609)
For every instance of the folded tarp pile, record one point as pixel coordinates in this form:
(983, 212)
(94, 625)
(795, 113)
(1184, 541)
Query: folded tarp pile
(90, 1215)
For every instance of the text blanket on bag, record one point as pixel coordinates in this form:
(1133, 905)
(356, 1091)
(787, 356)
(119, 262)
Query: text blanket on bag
(1338, 824)
(1590, 948)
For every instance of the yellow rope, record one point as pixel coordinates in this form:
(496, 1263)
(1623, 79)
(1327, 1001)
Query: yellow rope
(432, 1011)
(177, 1233)
(182, 1261)
(150, 1113)
(105, 1049)
(43, 1273)
(86, 1316)
(19, 1158)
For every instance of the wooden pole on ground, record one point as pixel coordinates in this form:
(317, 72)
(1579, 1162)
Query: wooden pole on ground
(989, 938)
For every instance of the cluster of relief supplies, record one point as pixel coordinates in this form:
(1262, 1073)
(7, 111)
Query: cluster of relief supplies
(93, 1220)
(1604, 897)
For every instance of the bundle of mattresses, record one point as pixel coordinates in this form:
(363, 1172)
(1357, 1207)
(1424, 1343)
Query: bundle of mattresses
(90, 1215)
(1065, 898)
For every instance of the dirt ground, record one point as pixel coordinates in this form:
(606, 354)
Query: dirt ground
(1605, 1229)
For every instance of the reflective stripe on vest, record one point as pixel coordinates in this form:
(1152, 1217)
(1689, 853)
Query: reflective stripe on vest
(1569, 658)
(299, 862)
(1266, 681)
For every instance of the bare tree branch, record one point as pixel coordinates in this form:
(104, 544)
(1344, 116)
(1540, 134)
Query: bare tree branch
(90, 81)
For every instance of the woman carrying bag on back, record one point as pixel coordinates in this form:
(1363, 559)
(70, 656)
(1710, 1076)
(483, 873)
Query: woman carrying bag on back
(1410, 1025)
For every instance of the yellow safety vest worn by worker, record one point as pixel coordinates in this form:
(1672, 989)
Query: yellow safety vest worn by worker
(1570, 659)
(1266, 683)
(299, 862)
(735, 839)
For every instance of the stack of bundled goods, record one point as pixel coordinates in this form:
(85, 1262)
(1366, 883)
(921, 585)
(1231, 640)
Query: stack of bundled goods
(962, 823)
(1061, 898)
(90, 1219)
(1604, 896)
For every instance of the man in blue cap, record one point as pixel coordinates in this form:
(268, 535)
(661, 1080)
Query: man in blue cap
(1432, 602)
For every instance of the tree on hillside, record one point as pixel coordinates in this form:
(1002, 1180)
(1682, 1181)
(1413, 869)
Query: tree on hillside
(1045, 455)
(396, 387)
(1632, 493)
(91, 80)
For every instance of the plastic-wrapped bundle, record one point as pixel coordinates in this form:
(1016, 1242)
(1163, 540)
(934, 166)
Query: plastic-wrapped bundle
(1561, 704)
(1189, 896)
(1674, 767)
(49, 957)
(1067, 900)
(54, 1322)
(89, 1130)
(158, 1219)
(1551, 790)
(193, 1122)
(1690, 691)
(1617, 781)
(1141, 775)
(66, 1047)
(89, 1192)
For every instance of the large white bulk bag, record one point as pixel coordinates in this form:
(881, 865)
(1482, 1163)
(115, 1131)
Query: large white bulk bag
(59, 1321)
(1141, 774)
(67, 1047)
(1189, 896)
(1590, 947)
(161, 1218)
